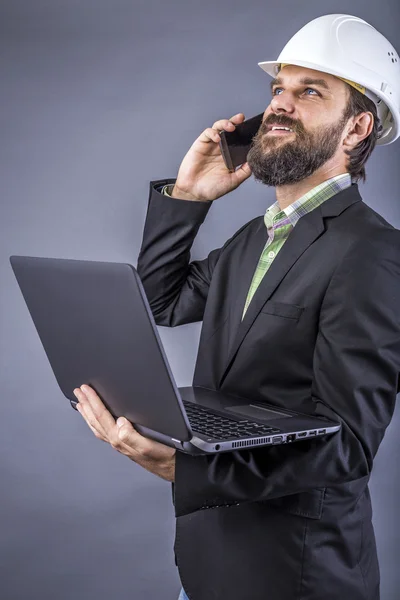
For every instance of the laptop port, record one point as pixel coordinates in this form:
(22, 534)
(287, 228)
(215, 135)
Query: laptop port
(322, 431)
(291, 437)
(302, 434)
(277, 439)
(313, 433)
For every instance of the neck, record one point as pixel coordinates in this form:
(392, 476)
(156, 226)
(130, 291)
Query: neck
(287, 194)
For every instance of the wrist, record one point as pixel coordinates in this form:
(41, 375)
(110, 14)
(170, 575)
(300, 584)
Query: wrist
(177, 192)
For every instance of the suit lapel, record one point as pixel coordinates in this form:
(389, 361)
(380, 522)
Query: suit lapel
(247, 258)
(306, 231)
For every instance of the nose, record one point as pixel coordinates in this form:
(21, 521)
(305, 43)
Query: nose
(282, 103)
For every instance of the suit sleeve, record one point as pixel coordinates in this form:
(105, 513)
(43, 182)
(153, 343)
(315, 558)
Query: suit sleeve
(176, 288)
(355, 377)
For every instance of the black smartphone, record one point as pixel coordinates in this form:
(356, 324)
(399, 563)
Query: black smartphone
(235, 145)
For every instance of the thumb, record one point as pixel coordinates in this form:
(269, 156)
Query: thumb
(126, 431)
(242, 173)
(122, 421)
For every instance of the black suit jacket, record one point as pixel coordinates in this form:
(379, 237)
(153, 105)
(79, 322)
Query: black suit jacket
(322, 336)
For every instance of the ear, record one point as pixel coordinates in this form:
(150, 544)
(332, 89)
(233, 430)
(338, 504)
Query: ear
(357, 129)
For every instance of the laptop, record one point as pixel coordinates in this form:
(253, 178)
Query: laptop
(96, 327)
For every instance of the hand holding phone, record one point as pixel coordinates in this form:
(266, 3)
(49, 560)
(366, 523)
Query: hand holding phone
(203, 175)
(235, 145)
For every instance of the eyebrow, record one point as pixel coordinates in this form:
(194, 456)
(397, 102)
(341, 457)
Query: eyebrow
(304, 81)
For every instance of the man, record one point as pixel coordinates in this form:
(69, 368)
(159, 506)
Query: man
(301, 309)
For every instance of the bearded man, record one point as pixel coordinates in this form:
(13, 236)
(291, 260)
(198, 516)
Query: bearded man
(300, 309)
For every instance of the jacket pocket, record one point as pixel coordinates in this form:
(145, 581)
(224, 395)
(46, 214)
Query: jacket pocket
(282, 309)
(305, 504)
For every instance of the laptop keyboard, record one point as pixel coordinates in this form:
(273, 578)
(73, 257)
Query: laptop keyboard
(214, 425)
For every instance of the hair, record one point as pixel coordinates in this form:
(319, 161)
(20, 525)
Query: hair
(358, 103)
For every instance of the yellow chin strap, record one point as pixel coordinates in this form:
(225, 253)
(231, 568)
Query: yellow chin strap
(357, 86)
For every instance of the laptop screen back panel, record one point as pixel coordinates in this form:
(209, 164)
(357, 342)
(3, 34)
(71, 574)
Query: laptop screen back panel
(108, 341)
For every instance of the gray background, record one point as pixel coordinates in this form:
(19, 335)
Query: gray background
(98, 98)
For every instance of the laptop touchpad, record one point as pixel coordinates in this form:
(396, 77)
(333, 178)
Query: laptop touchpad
(256, 412)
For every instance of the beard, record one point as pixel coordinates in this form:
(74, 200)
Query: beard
(277, 162)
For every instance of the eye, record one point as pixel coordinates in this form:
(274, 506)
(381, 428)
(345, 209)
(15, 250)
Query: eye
(312, 89)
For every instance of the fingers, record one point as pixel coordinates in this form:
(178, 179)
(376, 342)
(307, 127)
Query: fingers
(211, 134)
(122, 436)
(238, 118)
(102, 424)
(98, 410)
(98, 418)
(80, 408)
(228, 124)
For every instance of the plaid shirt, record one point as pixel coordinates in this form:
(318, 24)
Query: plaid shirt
(279, 223)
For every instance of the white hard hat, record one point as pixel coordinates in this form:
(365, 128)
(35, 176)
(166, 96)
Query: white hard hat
(353, 50)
